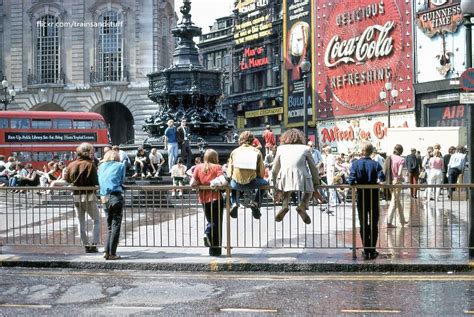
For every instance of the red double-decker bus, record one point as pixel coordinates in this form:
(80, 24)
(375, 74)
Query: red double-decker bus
(38, 136)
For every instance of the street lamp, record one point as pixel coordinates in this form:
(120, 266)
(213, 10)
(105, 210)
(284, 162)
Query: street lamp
(9, 95)
(305, 69)
(388, 95)
(467, 7)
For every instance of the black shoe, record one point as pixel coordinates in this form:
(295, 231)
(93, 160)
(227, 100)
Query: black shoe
(366, 255)
(217, 251)
(255, 210)
(234, 210)
(374, 255)
(207, 241)
(91, 249)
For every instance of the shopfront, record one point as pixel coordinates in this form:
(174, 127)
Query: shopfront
(346, 136)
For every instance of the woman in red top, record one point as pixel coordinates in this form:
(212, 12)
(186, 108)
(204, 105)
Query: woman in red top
(210, 173)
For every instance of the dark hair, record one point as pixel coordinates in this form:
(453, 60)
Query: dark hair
(398, 150)
(179, 161)
(292, 136)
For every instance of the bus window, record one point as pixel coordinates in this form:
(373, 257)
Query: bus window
(40, 124)
(82, 124)
(99, 124)
(19, 123)
(62, 123)
(65, 156)
(22, 156)
(3, 123)
(45, 156)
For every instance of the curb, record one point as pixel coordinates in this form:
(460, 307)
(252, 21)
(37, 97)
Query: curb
(245, 267)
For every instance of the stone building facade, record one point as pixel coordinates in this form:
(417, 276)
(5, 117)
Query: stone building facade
(87, 55)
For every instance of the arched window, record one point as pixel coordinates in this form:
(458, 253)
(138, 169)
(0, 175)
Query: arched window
(47, 50)
(110, 47)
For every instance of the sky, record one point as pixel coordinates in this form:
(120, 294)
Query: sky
(205, 12)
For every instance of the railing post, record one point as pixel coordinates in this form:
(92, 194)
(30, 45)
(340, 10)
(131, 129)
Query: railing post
(354, 230)
(227, 207)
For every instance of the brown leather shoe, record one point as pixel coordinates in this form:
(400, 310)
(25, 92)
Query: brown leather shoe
(281, 214)
(302, 212)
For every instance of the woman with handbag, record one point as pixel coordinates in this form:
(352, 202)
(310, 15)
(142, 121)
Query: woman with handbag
(111, 177)
(210, 173)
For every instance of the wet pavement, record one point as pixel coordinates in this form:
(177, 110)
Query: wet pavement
(25, 292)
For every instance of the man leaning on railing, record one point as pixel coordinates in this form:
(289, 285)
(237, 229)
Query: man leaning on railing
(366, 171)
(83, 172)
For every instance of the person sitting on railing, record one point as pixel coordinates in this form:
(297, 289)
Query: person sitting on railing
(210, 174)
(246, 171)
(294, 170)
(366, 171)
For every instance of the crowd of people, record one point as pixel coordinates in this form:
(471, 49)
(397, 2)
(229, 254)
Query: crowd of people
(294, 169)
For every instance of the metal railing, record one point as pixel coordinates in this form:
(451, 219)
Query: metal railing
(153, 217)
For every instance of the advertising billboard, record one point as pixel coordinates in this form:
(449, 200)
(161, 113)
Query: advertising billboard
(346, 136)
(297, 47)
(360, 46)
(441, 44)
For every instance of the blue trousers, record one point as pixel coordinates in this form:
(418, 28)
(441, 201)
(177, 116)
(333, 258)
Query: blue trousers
(256, 183)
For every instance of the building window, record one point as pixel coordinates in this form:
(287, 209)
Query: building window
(47, 50)
(109, 47)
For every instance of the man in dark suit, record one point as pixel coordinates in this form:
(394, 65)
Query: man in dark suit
(182, 135)
(413, 167)
(365, 171)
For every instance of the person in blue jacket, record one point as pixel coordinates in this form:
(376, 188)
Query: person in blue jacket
(111, 178)
(366, 171)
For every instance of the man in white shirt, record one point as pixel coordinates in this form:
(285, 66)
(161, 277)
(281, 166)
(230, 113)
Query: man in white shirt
(156, 161)
(456, 165)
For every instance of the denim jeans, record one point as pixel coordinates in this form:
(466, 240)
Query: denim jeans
(213, 212)
(172, 154)
(254, 184)
(114, 212)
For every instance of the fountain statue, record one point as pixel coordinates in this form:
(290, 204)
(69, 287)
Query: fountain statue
(188, 90)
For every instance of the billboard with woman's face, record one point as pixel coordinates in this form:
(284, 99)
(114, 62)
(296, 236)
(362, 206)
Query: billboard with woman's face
(297, 47)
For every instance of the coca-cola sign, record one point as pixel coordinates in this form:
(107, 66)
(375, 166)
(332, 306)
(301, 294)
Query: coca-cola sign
(360, 46)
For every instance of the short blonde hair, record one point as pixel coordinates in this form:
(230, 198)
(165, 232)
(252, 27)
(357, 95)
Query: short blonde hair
(111, 156)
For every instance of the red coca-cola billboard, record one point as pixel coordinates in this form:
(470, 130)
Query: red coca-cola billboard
(361, 45)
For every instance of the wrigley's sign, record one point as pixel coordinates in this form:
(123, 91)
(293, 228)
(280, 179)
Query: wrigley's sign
(439, 16)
